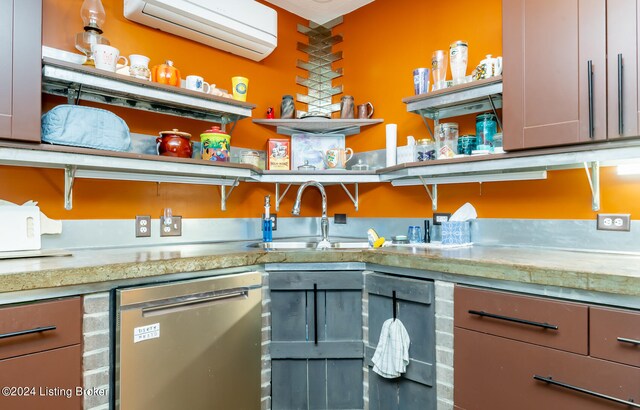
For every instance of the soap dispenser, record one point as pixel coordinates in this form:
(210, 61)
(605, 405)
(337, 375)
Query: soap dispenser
(267, 227)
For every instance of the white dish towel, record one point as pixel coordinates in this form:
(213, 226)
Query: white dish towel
(392, 353)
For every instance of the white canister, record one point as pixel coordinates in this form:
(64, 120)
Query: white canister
(250, 157)
(139, 67)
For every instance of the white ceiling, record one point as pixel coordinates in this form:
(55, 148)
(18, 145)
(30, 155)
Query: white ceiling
(320, 11)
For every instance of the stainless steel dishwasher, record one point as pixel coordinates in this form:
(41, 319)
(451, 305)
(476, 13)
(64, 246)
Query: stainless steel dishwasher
(191, 344)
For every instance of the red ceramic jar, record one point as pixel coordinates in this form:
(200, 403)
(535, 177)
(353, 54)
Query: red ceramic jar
(174, 144)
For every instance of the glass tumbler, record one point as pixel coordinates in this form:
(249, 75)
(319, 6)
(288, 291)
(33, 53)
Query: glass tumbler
(458, 55)
(414, 234)
(439, 68)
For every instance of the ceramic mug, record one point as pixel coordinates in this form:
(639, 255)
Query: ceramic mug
(139, 67)
(106, 57)
(197, 83)
(337, 158)
(365, 111)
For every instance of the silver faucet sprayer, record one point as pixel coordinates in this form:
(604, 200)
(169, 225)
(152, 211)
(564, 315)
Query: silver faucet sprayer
(324, 222)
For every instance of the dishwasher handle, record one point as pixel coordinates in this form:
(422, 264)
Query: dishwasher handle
(193, 301)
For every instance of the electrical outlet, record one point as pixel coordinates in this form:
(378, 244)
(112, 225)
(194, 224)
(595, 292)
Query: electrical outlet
(274, 221)
(143, 226)
(340, 219)
(614, 222)
(171, 226)
(440, 217)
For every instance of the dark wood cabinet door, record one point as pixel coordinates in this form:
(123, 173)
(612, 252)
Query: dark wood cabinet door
(494, 373)
(51, 378)
(622, 49)
(547, 47)
(326, 375)
(20, 65)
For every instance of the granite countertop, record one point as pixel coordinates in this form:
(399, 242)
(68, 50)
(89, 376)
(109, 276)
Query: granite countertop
(601, 272)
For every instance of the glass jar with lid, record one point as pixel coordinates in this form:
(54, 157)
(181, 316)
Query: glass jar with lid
(486, 128)
(425, 149)
(447, 140)
(360, 166)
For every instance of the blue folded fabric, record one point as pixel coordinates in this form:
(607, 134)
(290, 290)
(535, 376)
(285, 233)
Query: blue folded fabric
(85, 127)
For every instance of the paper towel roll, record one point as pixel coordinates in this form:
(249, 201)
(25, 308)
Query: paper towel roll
(392, 142)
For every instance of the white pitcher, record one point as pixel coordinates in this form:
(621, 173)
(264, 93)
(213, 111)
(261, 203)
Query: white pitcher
(492, 66)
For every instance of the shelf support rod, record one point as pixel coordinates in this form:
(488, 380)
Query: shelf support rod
(354, 198)
(426, 123)
(593, 176)
(495, 112)
(433, 193)
(279, 197)
(224, 195)
(69, 179)
(73, 94)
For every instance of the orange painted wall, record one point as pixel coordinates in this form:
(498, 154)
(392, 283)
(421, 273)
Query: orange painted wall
(384, 42)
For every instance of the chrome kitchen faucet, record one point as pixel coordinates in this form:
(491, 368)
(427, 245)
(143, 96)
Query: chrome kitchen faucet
(324, 222)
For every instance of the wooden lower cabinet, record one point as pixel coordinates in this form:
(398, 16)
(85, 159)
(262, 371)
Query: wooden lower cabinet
(45, 380)
(41, 355)
(320, 370)
(495, 373)
(415, 389)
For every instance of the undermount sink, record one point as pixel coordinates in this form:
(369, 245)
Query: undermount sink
(291, 245)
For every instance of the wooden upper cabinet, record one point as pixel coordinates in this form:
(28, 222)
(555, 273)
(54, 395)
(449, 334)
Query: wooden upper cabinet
(20, 65)
(622, 65)
(547, 47)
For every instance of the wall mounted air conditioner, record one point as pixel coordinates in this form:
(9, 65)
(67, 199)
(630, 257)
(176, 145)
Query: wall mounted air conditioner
(243, 27)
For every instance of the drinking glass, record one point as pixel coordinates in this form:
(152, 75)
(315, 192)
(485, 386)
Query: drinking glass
(439, 68)
(414, 234)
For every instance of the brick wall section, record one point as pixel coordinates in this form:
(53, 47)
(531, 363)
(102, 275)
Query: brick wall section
(95, 354)
(265, 378)
(365, 338)
(444, 344)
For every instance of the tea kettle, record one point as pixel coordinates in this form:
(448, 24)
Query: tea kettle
(336, 158)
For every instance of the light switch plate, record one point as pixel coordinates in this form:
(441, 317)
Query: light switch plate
(439, 217)
(614, 222)
(171, 229)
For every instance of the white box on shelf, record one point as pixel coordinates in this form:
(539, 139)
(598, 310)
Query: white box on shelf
(406, 153)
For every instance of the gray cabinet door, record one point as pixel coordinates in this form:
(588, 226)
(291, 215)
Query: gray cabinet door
(323, 375)
(20, 65)
(414, 306)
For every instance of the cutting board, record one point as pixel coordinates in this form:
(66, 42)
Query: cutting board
(19, 228)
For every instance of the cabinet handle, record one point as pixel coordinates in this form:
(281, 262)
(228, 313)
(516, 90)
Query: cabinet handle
(631, 341)
(28, 331)
(590, 81)
(620, 96)
(513, 319)
(585, 391)
(315, 313)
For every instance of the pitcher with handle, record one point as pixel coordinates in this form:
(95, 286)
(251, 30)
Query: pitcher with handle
(337, 158)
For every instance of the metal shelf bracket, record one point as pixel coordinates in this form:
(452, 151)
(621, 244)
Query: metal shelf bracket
(353, 198)
(279, 197)
(593, 176)
(224, 195)
(433, 193)
(69, 179)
